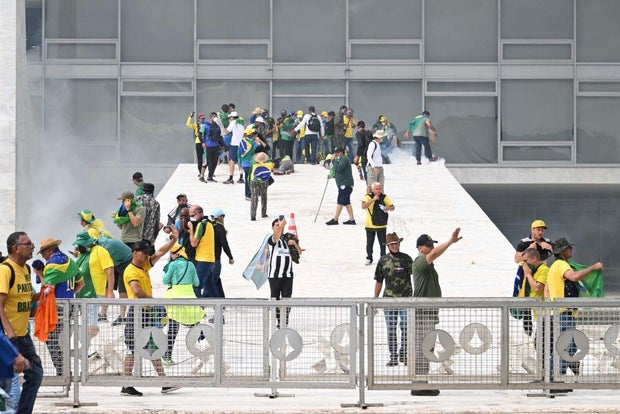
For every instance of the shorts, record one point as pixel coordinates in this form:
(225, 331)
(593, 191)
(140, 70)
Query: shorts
(148, 319)
(344, 195)
(232, 153)
(372, 177)
(119, 282)
(93, 314)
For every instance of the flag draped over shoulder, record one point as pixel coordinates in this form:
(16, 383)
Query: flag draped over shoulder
(592, 285)
(258, 269)
(59, 268)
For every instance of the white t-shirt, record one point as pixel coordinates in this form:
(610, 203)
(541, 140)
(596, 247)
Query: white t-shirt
(237, 132)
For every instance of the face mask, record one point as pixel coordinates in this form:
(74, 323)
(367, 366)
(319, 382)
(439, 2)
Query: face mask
(193, 219)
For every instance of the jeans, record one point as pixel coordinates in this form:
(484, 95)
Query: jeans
(310, 146)
(419, 142)
(391, 321)
(32, 376)
(217, 271)
(326, 146)
(425, 321)
(370, 240)
(348, 145)
(567, 321)
(299, 145)
(206, 288)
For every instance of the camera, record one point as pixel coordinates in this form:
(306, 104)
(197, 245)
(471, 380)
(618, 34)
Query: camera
(281, 217)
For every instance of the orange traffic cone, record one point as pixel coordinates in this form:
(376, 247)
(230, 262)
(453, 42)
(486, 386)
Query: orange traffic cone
(292, 228)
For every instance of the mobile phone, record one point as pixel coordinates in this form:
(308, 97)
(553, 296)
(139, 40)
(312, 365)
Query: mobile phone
(281, 217)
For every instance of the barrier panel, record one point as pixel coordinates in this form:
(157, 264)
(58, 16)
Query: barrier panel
(405, 343)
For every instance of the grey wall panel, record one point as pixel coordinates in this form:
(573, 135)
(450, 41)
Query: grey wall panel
(233, 19)
(310, 71)
(547, 71)
(81, 71)
(246, 95)
(464, 71)
(598, 130)
(156, 71)
(535, 19)
(230, 71)
(382, 70)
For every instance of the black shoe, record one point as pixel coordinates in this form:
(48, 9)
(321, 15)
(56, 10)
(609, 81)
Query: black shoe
(131, 391)
(229, 181)
(240, 180)
(403, 359)
(102, 318)
(349, 222)
(560, 391)
(119, 321)
(166, 390)
(419, 162)
(253, 218)
(264, 215)
(211, 180)
(425, 393)
(202, 179)
(332, 222)
(391, 363)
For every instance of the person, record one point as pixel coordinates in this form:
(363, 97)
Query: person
(11, 363)
(213, 141)
(300, 139)
(377, 206)
(184, 237)
(284, 166)
(152, 214)
(328, 125)
(235, 129)
(341, 171)
(247, 149)
(174, 214)
(181, 277)
(138, 181)
(562, 283)
(280, 268)
(202, 238)
(195, 127)
(130, 219)
(121, 256)
(63, 274)
(287, 134)
(374, 168)
(314, 130)
(271, 133)
(260, 179)
(391, 139)
(15, 304)
(138, 286)
(395, 269)
(536, 240)
(339, 127)
(349, 124)
(363, 137)
(94, 226)
(426, 285)
(221, 243)
(419, 128)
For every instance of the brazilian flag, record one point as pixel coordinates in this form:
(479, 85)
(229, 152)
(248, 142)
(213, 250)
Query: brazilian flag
(592, 285)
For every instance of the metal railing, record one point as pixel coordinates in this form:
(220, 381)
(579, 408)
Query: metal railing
(444, 343)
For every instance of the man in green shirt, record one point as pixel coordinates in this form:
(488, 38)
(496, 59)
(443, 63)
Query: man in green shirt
(426, 285)
(419, 128)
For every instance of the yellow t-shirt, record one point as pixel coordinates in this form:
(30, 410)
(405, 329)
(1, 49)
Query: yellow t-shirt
(369, 210)
(541, 277)
(195, 127)
(141, 275)
(99, 261)
(555, 278)
(349, 124)
(19, 297)
(205, 251)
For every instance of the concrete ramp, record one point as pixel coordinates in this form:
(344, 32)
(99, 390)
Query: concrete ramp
(428, 199)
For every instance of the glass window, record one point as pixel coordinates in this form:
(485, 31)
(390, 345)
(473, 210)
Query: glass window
(537, 110)
(308, 87)
(394, 99)
(294, 103)
(81, 51)
(386, 19)
(535, 19)
(80, 110)
(247, 95)
(81, 19)
(298, 38)
(598, 130)
(461, 30)
(243, 51)
(466, 128)
(233, 19)
(598, 31)
(460, 87)
(385, 51)
(34, 27)
(538, 153)
(153, 134)
(157, 31)
(537, 51)
(599, 86)
(155, 87)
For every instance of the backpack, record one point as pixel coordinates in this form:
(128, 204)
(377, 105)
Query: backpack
(378, 216)
(12, 280)
(292, 249)
(313, 124)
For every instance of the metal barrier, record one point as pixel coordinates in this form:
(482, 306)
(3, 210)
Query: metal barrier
(408, 344)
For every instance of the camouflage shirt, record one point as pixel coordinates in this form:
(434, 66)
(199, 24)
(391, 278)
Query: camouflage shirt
(151, 217)
(395, 270)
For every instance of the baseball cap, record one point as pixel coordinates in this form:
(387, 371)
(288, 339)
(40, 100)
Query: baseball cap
(538, 223)
(137, 176)
(218, 212)
(233, 114)
(338, 149)
(425, 240)
(149, 188)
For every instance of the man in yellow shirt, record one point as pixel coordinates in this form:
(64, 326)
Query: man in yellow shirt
(376, 220)
(562, 283)
(202, 237)
(138, 284)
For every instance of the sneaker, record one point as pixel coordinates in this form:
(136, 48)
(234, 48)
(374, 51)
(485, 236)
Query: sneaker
(131, 392)
(332, 222)
(419, 162)
(368, 262)
(264, 215)
(102, 318)
(349, 222)
(202, 179)
(199, 175)
(229, 181)
(252, 218)
(119, 321)
(434, 158)
(211, 180)
(425, 393)
(167, 361)
(248, 199)
(167, 390)
(391, 363)
(240, 180)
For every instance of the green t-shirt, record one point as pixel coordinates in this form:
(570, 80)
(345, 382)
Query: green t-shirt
(395, 270)
(120, 252)
(425, 279)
